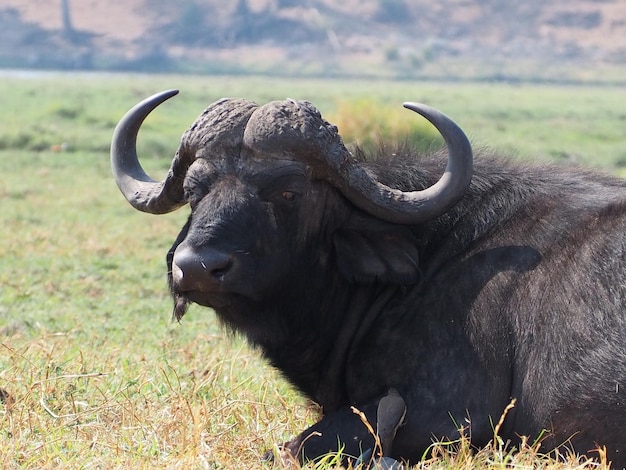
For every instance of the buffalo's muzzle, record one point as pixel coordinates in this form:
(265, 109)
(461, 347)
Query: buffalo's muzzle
(203, 271)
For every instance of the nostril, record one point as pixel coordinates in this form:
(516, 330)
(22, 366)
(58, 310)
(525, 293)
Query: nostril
(218, 268)
(218, 272)
(200, 270)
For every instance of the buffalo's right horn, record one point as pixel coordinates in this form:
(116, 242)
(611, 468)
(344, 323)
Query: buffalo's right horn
(412, 207)
(141, 191)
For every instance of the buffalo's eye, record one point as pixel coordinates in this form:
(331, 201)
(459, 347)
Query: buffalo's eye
(288, 195)
(193, 197)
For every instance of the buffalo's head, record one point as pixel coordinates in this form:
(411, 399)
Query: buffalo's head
(274, 191)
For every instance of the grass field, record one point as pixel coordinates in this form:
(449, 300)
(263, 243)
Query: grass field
(93, 374)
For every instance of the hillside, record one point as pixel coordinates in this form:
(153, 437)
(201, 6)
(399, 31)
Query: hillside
(553, 39)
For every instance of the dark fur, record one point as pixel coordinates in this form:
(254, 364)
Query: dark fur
(517, 292)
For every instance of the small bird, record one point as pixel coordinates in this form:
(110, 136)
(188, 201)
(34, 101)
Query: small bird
(390, 415)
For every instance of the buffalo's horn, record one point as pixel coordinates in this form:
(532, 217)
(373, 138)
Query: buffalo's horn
(298, 129)
(141, 191)
(411, 207)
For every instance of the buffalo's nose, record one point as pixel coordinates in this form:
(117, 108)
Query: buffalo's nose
(204, 270)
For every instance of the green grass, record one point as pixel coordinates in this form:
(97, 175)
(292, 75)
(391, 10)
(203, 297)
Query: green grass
(93, 372)
(96, 372)
(573, 123)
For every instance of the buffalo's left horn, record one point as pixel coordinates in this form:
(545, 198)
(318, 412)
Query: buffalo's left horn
(141, 191)
(298, 129)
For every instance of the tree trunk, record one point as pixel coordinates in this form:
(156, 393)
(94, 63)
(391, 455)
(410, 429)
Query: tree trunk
(68, 30)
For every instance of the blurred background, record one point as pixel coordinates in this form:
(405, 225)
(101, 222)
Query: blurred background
(560, 41)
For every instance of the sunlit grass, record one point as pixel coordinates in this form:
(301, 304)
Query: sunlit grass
(571, 124)
(97, 407)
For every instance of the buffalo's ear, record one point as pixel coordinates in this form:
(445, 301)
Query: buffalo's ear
(369, 249)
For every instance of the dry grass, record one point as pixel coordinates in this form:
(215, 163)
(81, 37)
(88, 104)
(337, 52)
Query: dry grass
(497, 455)
(59, 411)
(219, 414)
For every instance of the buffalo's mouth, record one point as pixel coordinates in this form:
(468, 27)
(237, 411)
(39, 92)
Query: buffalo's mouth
(235, 312)
(214, 300)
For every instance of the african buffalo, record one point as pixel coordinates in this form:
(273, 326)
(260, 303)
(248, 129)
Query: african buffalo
(426, 297)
